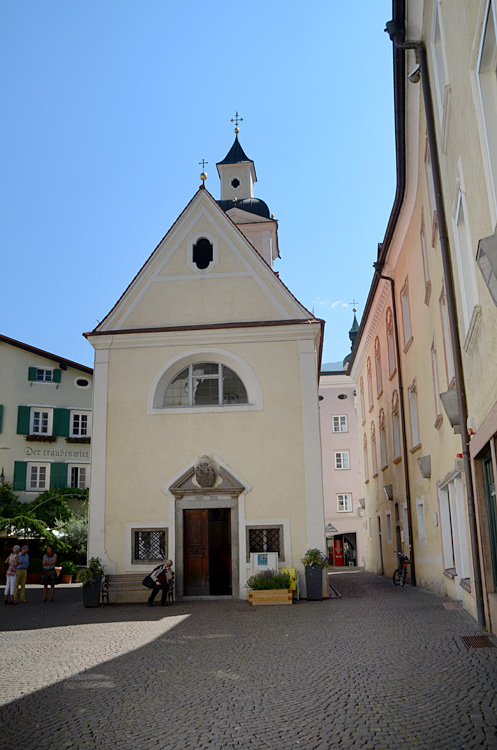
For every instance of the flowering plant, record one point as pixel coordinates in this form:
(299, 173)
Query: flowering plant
(78, 439)
(269, 579)
(313, 558)
(41, 438)
(87, 575)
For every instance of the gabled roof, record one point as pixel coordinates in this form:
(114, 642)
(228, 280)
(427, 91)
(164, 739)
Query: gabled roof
(61, 361)
(202, 190)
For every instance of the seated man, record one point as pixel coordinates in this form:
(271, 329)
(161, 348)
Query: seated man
(161, 577)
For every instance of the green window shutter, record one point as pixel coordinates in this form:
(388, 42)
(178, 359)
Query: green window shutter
(56, 376)
(23, 413)
(1, 417)
(58, 476)
(61, 423)
(20, 469)
(32, 373)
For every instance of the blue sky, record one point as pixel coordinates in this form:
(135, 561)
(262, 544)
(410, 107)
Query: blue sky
(108, 107)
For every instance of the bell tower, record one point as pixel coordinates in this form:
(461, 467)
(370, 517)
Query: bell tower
(236, 171)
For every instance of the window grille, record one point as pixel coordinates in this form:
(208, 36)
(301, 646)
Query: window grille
(265, 540)
(150, 545)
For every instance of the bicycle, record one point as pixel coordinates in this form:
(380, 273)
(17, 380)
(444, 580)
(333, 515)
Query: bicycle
(400, 574)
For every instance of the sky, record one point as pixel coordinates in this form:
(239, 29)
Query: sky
(108, 108)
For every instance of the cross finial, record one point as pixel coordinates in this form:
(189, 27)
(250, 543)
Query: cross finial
(354, 303)
(203, 163)
(235, 120)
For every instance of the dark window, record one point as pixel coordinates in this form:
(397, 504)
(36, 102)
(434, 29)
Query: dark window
(264, 540)
(202, 253)
(150, 545)
(235, 182)
(82, 382)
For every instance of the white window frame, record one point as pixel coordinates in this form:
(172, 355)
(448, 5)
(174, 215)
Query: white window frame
(414, 415)
(406, 315)
(340, 423)
(383, 448)
(431, 194)
(421, 516)
(77, 414)
(79, 467)
(35, 467)
(377, 361)
(363, 404)
(40, 410)
(370, 384)
(374, 454)
(396, 427)
(436, 386)
(47, 371)
(344, 502)
(342, 458)
(439, 63)
(365, 457)
(392, 363)
(486, 77)
(447, 341)
(465, 261)
(388, 520)
(424, 255)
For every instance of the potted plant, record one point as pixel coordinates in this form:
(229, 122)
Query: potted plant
(68, 570)
(270, 587)
(35, 570)
(314, 562)
(91, 578)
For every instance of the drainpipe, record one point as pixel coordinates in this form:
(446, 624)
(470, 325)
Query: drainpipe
(377, 267)
(396, 31)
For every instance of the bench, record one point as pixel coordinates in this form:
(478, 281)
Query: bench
(129, 582)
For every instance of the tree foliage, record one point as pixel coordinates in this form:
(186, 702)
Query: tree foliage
(41, 515)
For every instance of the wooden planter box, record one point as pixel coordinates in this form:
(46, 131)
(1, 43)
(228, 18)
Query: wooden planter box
(270, 596)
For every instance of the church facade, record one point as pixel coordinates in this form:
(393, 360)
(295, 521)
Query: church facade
(203, 452)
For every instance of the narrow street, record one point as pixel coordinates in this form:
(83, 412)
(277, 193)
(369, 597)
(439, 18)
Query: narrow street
(383, 667)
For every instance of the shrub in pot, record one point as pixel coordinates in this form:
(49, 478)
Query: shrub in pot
(270, 587)
(91, 578)
(68, 570)
(314, 562)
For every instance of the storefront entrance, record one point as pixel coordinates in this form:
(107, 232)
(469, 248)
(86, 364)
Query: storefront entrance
(342, 550)
(207, 565)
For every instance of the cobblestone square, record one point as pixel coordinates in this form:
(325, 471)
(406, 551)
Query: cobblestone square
(381, 668)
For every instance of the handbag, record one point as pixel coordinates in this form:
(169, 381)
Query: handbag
(148, 582)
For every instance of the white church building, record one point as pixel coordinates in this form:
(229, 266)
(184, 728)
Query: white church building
(206, 435)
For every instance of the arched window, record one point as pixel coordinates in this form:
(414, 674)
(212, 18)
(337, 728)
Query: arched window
(205, 384)
(377, 358)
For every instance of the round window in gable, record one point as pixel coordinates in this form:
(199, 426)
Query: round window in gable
(342, 396)
(82, 382)
(203, 253)
(235, 182)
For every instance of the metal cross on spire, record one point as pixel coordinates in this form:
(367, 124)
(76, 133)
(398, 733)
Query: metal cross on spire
(235, 120)
(354, 303)
(203, 163)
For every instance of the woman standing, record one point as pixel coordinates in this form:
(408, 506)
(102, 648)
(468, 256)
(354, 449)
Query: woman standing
(11, 561)
(49, 575)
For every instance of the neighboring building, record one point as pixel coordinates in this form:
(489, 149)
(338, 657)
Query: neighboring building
(461, 49)
(203, 452)
(403, 362)
(45, 420)
(343, 499)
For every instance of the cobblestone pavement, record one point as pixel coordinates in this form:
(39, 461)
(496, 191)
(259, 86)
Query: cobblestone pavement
(383, 667)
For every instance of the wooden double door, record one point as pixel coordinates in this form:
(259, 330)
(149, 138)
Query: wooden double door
(207, 552)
